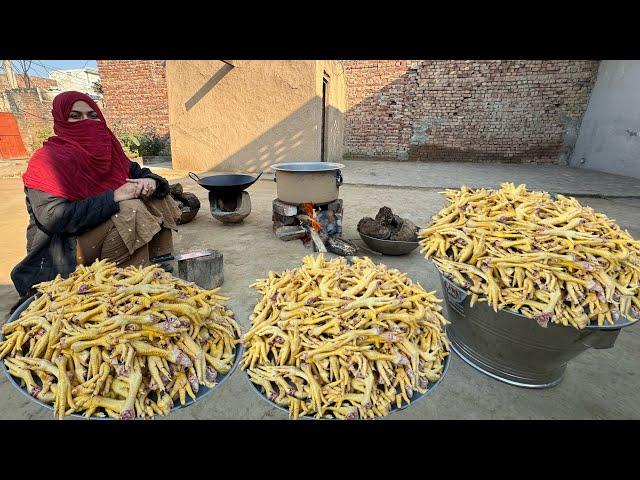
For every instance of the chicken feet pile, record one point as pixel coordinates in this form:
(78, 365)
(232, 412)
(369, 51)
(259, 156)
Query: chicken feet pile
(522, 251)
(119, 342)
(343, 341)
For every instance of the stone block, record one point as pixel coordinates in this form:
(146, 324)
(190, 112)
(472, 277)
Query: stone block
(286, 232)
(276, 217)
(284, 209)
(335, 206)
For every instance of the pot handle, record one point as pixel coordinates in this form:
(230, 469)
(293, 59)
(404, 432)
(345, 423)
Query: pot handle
(194, 177)
(601, 339)
(454, 295)
(339, 178)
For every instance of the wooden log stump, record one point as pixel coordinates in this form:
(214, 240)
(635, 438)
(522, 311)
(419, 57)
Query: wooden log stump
(206, 272)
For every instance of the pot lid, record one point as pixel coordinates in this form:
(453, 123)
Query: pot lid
(307, 166)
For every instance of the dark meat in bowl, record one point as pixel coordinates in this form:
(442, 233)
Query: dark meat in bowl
(406, 233)
(385, 217)
(388, 226)
(370, 227)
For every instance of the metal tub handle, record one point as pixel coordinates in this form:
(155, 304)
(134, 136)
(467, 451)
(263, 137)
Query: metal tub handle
(601, 339)
(455, 295)
(339, 178)
(194, 177)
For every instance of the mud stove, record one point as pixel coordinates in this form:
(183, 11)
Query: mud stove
(318, 226)
(230, 208)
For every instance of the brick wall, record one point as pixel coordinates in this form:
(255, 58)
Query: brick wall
(40, 82)
(510, 111)
(32, 109)
(135, 95)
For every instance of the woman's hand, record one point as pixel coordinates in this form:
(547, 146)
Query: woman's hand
(148, 185)
(127, 191)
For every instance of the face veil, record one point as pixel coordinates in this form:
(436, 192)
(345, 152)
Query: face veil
(82, 160)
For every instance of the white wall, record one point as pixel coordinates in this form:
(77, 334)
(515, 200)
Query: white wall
(609, 137)
(80, 80)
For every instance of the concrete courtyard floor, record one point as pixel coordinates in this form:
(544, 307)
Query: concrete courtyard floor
(599, 384)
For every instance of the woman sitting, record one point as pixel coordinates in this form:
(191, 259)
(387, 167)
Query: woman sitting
(86, 200)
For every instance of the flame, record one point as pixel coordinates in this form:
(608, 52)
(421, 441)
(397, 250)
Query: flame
(308, 209)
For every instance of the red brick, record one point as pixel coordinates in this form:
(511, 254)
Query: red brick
(474, 111)
(135, 94)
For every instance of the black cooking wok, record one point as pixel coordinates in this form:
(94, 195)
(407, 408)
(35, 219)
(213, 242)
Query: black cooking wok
(225, 183)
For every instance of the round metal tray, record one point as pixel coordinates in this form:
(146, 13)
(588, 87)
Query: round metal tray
(431, 386)
(202, 392)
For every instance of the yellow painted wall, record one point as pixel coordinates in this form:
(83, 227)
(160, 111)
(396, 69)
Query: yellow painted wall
(259, 113)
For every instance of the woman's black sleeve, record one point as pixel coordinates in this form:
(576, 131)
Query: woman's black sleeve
(139, 172)
(56, 215)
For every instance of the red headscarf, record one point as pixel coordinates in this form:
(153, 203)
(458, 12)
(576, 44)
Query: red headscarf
(82, 160)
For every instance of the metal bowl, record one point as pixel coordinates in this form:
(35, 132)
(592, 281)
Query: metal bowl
(390, 247)
(202, 392)
(416, 396)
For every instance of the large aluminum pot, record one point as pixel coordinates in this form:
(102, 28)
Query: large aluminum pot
(513, 348)
(308, 182)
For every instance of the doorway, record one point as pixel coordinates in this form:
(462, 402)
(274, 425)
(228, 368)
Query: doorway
(324, 133)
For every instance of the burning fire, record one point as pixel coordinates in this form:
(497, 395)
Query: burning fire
(308, 209)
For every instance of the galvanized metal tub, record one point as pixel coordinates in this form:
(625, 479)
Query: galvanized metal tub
(202, 392)
(431, 386)
(513, 348)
